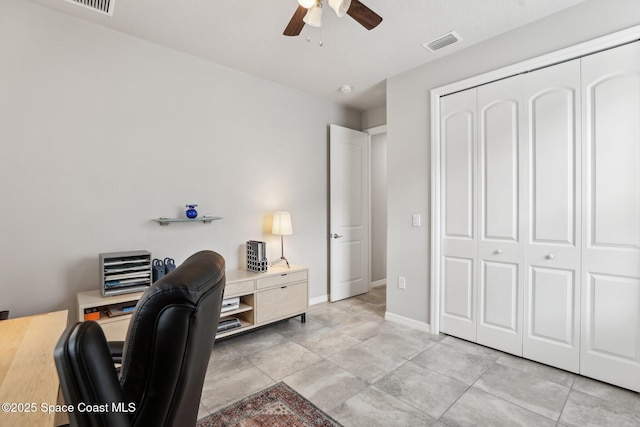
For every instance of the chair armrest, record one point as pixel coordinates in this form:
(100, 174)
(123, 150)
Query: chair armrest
(88, 376)
(116, 348)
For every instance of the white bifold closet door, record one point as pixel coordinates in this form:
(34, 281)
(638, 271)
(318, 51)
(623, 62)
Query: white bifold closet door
(459, 247)
(552, 277)
(501, 215)
(482, 229)
(540, 215)
(610, 321)
(483, 233)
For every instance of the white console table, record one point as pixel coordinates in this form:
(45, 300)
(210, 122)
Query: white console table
(265, 298)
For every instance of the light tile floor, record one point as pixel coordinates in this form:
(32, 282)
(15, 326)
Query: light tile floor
(365, 371)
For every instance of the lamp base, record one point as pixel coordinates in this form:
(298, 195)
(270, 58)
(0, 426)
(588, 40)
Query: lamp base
(281, 259)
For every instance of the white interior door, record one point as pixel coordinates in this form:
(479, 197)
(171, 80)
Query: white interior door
(349, 212)
(501, 203)
(458, 264)
(610, 348)
(552, 280)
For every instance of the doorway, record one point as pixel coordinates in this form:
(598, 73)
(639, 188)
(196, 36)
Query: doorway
(358, 211)
(378, 264)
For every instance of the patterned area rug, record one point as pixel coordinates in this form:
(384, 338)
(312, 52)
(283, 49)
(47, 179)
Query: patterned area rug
(276, 406)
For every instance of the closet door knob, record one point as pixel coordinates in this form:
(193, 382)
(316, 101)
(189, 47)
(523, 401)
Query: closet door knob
(550, 256)
(498, 251)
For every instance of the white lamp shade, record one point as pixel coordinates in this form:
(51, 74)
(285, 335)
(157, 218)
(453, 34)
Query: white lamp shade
(282, 224)
(306, 3)
(340, 6)
(314, 16)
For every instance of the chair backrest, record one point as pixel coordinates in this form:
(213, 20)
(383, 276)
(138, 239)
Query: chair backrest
(169, 342)
(165, 355)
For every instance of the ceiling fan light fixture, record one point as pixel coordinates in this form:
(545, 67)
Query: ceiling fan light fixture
(314, 16)
(307, 3)
(340, 6)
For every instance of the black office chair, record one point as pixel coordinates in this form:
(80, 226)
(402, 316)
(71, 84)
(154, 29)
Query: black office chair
(164, 358)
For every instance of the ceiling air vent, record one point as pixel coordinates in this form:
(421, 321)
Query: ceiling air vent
(442, 41)
(102, 6)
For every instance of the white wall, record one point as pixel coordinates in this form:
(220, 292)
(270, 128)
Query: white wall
(409, 130)
(100, 132)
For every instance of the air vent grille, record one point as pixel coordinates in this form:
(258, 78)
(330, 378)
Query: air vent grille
(442, 41)
(102, 6)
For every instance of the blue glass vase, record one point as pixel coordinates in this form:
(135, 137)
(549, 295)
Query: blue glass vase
(191, 212)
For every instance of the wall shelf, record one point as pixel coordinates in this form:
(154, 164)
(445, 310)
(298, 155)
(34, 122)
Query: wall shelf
(204, 220)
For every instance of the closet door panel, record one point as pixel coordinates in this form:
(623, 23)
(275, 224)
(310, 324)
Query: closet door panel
(498, 296)
(611, 327)
(551, 298)
(458, 171)
(606, 310)
(552, 144)
(458, 264)
(458, 311)
(499, 127)
(613, 148)
(500, 214)
(552, 281)
(610, 349)
(499, 324)
(552, 329)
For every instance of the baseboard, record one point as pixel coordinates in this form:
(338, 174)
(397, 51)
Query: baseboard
(377, 283)
(318, 300)
(405, 321)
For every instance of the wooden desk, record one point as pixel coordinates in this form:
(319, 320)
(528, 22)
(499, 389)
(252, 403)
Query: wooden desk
(27, 371)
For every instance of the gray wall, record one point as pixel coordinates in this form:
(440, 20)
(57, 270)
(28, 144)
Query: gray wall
(374, 117)
(100, 132)
(409, 130)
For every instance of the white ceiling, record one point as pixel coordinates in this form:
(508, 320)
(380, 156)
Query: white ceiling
(247, 35)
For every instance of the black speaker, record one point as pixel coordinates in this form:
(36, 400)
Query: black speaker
(157, 269)
(169, 265)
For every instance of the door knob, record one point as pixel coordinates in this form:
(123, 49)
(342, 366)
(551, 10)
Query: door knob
(550, 256)
(336, 236)
(498, 251)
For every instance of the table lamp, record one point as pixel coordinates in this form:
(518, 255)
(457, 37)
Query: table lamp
(282, 227)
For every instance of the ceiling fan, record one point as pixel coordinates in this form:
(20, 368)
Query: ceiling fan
(310, 12)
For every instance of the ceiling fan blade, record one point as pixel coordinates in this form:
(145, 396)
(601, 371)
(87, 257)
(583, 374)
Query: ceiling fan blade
(295, 25)
(365, 16)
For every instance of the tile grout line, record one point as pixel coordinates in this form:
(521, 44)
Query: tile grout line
(564, 405)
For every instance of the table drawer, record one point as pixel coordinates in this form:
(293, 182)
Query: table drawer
(238, 288)
(281, 302)
(281, 279)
